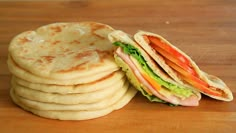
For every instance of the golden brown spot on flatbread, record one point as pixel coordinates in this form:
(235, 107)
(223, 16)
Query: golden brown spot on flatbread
(56, 42)
(95, 27)
(39, 61)
(67, 50)
(77, 68)
(64, 49)
(103, 54)
(103, 78)
(24, 40)
(56, 28)
(75, 42)
(48, 58)
(92, 43)
(99, 36)
(84, 65)
(84, 54)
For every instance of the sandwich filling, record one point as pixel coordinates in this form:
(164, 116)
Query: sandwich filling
(181, 65)
(154, 85)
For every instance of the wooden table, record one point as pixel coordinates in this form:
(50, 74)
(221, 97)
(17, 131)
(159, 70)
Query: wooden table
(205, 29)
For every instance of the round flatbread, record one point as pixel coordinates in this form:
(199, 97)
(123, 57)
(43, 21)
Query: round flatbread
(105, 82)
(78, 115)
(76, 98)
(64, 50)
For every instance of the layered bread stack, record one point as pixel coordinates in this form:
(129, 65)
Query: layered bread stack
(66, 71)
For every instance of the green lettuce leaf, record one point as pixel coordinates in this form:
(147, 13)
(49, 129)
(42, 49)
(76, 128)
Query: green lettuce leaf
(174, 89)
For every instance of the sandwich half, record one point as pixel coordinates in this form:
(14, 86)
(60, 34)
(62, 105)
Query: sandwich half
(180, 67)
(148, 76)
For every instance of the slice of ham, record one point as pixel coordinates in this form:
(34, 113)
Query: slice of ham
(190, 101)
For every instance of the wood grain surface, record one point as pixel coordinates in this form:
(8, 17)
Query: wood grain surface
(204, 29)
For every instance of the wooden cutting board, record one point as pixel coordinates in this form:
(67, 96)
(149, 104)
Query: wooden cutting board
(204, 29)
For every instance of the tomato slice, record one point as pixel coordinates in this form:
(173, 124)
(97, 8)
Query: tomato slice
(203, 88)
(169, 50)
(174, 60)
(194, 81)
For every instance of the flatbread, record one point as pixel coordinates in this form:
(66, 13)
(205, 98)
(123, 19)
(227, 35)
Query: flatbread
(75, 98)
(78, 115)
(106, 82)
(89, 106)
(210, 79)
(64, 50)
(23, 74)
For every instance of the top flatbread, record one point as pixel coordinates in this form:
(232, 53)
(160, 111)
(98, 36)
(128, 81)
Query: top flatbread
(64, 50)
(25, 75)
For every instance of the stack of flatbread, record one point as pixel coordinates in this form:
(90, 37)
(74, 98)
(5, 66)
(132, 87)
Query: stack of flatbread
(66, 71)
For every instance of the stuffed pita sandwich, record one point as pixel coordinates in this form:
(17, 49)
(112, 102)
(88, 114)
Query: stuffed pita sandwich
(148, 76)
(181, 67)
